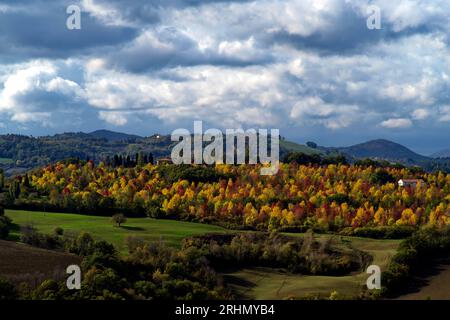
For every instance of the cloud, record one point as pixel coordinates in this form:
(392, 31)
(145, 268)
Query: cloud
(444, 113)
(38, 30)
(314, 109)
(115, 118)
(420, 114)
(32, 92)
(309, 67)
(400, 123)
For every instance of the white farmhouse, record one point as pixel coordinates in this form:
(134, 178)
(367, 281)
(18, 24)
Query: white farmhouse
(410, 182)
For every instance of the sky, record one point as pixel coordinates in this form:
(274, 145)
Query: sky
(311, 68)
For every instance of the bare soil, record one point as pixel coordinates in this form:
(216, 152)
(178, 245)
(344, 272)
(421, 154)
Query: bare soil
(23, 263)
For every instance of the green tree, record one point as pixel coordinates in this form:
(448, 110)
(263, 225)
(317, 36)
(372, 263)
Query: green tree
(14, 189)
(140, 160)
(119, 219)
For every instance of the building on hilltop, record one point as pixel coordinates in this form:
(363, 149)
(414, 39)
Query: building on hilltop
(410, 182)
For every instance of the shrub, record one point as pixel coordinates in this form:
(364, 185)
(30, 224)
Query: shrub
(381, 232)
(5, 226)
(419, 249)
(59, 231)
(7, 290)
(132, 243)
(47, 241)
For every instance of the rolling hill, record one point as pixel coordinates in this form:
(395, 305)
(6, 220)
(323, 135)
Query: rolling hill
(113, 136)
(20, 153)
(441, 154)
(383, 149)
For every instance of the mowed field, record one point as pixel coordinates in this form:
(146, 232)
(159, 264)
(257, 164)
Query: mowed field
(168, 231)
(266, 283)
(23, 263)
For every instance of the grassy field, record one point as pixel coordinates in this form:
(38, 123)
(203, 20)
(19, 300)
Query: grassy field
(171, 232)
(265, 283)
(295, 147)
(249, 283)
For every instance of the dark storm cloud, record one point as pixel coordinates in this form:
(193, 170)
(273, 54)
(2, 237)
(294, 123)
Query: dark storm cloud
(168, 47)
(41, 32)
(348, 35)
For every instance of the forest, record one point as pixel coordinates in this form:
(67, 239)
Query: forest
(335, 198)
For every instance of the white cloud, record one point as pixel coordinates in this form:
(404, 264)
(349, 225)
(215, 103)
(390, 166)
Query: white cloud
(221, 95)
(399, 123)
(404, 14)
(106, 13)
(314, 109)
(22, 81)
(444, 113)
(238, 63)
(115, 118)
(420, 114)
(26, 88)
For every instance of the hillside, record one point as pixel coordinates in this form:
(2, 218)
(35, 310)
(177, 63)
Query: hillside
(233, 196)
(289, 146)
(114, 136)
(20, 153)
(441, 154)
(383, 149)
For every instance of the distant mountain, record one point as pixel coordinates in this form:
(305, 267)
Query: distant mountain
(441, 154)
(113, 136)
(21, 153)
(383, 149)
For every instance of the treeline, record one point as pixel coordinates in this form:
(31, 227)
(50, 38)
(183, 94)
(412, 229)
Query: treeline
(328, 198)
(140, 159)
(319, 159)
(414, 253)
(25, 152)
(314, 159)
(306, 255)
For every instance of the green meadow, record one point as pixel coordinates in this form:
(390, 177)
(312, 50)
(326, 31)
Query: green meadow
(266, 283)
(168, 231)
